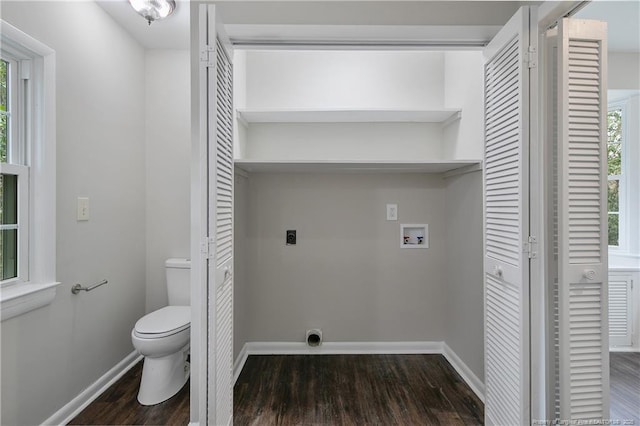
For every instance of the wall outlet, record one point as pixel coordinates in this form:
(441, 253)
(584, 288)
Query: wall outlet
(392, 212)
(82, 209)
(291, 237)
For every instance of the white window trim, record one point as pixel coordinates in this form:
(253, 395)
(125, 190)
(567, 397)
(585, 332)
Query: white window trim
(40, 290)
(623, 194)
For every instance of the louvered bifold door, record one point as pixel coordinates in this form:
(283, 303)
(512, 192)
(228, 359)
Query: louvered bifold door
(582, 221)
(506, 211)
(220, 225)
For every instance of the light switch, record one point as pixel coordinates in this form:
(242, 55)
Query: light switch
(392, 212)
(83, 208)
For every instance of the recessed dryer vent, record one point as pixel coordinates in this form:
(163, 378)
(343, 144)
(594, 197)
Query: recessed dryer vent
(314, 337)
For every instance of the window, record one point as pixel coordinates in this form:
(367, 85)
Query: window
(27, 173)
(616, 181)
(8, 186)
(14, 178)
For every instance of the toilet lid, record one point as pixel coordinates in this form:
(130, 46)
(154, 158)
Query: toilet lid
(166, 320)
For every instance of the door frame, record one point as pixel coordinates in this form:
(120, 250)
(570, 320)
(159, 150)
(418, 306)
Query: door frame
(547, 14)
(199, 221)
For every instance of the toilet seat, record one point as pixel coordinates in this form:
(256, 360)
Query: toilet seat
(163, 322)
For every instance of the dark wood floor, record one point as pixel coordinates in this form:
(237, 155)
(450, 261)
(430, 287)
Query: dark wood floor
(118, 406)
(353, 390)
(625, 387)
(342, 390)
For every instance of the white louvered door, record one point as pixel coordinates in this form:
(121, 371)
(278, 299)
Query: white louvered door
(506, 224)
(582, 221)
(220, 212)
(620, 309)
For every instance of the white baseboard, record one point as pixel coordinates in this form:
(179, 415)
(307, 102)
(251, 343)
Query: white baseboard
(464, 371)
(336, 348)
(239, 363)
(624, 349)
(365, 348)
(87, 396)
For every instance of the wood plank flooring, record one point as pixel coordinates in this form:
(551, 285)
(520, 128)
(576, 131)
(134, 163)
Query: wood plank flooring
(118, 406)
(342, 390)
(353, 390)
(625, 387)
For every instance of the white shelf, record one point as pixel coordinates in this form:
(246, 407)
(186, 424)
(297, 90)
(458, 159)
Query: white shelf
(304, 166)
(444, 116)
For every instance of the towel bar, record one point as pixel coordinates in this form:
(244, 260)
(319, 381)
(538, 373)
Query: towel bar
(77, 288)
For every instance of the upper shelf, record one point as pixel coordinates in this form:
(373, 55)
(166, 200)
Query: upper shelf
(326, 166)
(444, 116)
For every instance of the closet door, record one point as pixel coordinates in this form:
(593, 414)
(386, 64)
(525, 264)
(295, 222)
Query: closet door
(582, 221)
(216, 61)
(506, 224)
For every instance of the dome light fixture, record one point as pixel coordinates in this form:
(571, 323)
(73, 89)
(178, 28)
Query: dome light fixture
(152, 10)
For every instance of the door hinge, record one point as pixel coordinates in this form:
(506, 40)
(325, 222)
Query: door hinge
(531, 246)
(207, 55)
(25, 69)
(532, 57)
(207, 247)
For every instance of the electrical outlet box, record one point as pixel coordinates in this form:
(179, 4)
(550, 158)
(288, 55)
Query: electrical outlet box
(392, 212)
(291, 237)
(82, 213)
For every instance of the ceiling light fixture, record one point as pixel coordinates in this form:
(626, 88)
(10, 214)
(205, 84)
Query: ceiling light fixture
(152, 10)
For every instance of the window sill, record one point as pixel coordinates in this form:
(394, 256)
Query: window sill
(21, 298)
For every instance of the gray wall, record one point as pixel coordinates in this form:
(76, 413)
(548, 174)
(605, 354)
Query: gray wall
(347, 274)
(168, 162)
(464, 293)
(51, 354)
(624, 70)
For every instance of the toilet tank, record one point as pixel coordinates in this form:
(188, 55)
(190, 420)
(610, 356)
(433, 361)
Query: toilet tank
(178, 273)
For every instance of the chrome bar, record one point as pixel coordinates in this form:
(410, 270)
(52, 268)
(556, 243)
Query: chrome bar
(77, 288)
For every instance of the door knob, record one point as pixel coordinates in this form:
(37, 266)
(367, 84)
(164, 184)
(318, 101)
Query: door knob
(497, 271)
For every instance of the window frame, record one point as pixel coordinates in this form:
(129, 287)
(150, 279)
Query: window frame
(622, 178)
(38, 157)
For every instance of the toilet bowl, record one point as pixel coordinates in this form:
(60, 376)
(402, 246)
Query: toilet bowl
(162, 332)
(163, 338)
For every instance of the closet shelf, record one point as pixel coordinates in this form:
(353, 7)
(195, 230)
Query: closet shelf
(444, 116)
(310, 166)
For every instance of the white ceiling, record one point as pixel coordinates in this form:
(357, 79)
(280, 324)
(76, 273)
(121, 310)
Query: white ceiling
(170, 33)
(363, 21)
(623, 18)
(352, 20)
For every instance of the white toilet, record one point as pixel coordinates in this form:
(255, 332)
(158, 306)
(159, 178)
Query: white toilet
(162, 337)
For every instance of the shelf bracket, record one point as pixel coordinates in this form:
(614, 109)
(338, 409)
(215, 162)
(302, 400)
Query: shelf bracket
(454, 117)
(463, 170)
(241, 118)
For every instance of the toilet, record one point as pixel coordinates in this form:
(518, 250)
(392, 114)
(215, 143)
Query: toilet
(162, 337)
